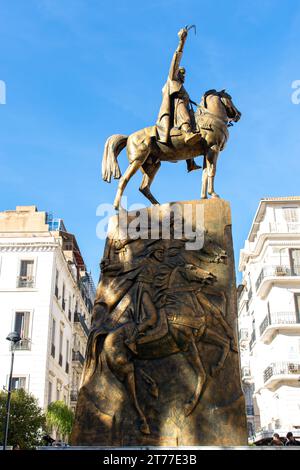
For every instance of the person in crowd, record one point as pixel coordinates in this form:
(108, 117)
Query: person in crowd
(276, 441)
(291, 441)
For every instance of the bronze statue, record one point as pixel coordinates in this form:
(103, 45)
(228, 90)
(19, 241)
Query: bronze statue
(179, 134)
(162, 364)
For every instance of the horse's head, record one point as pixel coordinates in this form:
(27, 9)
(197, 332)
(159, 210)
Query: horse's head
(193, 273)
(233, 114)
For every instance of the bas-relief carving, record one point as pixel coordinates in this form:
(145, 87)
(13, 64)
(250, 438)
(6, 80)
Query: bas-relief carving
(162, 363)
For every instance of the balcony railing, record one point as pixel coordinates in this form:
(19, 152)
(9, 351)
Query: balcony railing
(77, 356)
(281, 368)
(250, 410)
(252, 340)
(78, 318)
(288, 227)
(278, 318)
(244, 334)
(25, 281)
(274, 271)
(246, 373)
(74, 395)
(24, 344)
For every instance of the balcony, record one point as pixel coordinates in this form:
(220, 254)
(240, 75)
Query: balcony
(287, 372)
(25, 282)
(278, 322)
(274, 229)
(246, 373)
(78, 318)
(250, 410)
(270, 274)
(74, 395)
(77, 357)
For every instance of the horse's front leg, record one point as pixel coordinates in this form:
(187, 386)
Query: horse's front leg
(193, 358)
(209, 172)
(212, 337)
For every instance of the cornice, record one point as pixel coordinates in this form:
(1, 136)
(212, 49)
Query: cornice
(17, 247)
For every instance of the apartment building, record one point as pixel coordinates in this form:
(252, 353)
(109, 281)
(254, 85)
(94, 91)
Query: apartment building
(269, 318)
(46, 295)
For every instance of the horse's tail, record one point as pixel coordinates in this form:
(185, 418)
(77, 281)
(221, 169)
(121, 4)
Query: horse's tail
(94, 348)
(113, 146)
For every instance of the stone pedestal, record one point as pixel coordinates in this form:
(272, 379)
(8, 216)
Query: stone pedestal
(162, 366)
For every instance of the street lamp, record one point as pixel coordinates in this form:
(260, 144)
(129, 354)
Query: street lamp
(14, 338)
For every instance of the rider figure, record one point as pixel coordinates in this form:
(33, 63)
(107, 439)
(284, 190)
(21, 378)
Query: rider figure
(175, 110)
(146, 315)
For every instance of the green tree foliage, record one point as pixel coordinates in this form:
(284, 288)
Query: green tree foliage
(60, 418)
(26, 423)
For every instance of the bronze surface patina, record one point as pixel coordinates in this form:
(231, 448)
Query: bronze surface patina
(179, 134)
(162, 363)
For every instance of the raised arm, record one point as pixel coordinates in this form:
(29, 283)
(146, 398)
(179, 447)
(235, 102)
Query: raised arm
(178, 54)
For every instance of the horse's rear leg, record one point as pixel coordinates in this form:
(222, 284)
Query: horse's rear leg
(131, 170)
(131, 385)
(122, 366)
(149, 169)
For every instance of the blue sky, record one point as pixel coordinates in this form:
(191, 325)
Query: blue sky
(77, 71)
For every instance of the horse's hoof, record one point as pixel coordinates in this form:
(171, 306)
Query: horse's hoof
(215, 370)
(188, 408)
(215, 195)
(154, 391)
(144, 428)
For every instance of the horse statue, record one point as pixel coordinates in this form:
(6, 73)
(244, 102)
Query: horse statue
(213, 116)
(176, 285)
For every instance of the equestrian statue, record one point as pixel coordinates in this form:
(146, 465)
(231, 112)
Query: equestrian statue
(179, 134)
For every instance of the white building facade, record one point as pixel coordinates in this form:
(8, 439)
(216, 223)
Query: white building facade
(269, 318)
(46, 295)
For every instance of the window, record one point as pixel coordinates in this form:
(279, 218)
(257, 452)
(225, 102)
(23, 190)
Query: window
(53, 338)
(21, 326)
(63, 301)
(70, 308)
(56, 284)
(290, 214)
(18, 382)
(58, 390)
(26, 278)
(49, 393)
(295, 262)
(67, 356)
(297, 306)
(60, 359)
